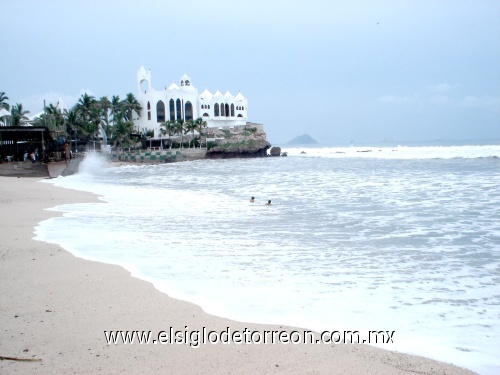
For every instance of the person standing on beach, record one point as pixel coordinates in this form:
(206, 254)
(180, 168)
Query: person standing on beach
(252, 200)
(66, 151)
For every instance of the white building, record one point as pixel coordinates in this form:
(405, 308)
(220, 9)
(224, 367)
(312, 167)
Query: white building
(175, 102)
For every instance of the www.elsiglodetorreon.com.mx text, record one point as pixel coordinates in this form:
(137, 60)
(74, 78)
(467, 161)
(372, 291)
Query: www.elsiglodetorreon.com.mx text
(195, 338)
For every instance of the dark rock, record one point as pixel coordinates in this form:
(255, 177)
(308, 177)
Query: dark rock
(237, 142)
(275, 151)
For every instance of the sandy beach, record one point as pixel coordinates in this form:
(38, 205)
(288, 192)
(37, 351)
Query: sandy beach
(55, 308)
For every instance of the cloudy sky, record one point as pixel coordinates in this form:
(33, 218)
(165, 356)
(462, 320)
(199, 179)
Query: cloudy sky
(339, 71)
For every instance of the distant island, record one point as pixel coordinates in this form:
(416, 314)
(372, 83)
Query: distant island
(303, 139)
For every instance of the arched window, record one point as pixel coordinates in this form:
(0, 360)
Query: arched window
(187, 83)
(160, 112)
(149, 111)
(242, 108)
(172, 110)
(144, 86)
(240, 115)
(205, 114)
(216, 110)
(188, 110)
(178, 108)
(222, 109)
(232, 110)
(209, 106)
(227, 110)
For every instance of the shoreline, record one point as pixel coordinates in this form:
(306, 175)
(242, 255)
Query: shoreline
(55, 307)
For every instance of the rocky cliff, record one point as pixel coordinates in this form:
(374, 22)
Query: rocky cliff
(236, 142)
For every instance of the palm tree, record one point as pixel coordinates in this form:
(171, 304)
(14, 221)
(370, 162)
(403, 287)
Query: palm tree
(55, 117)
(122, 131)
(3, 101)
(115, 106)
(163, 132)
(105, 106)
(170, 128)
(179, 128)
(200, 126)
(191, 127)
(131, 105)
(84, 106)
(167, 128)
(90, 128)
(18, 115)
(95, 121)
(4, 105)
(71, 120)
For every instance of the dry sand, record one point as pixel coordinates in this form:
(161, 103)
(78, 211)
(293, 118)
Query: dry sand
(55, 307)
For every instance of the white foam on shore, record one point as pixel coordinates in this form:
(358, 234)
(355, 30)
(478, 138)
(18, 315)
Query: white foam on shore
(397, 152)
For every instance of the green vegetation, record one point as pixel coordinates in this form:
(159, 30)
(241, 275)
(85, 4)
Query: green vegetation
(18, 115)
(227, 134)
(3, 101)
(247, 144)
(89, 116)
(181, 127)
(249, 131)
(84, 121)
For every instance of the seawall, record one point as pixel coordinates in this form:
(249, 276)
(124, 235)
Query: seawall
(152, 156)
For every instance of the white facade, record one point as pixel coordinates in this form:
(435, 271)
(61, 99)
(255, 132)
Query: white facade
(183, 101)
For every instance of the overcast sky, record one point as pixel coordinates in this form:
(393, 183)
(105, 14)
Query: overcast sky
(339, 71)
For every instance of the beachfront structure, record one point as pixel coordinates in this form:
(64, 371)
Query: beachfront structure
(183, 102)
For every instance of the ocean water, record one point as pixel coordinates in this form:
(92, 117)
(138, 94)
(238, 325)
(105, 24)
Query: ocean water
(402, 238)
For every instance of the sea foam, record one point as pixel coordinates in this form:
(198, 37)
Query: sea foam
(409, 245)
